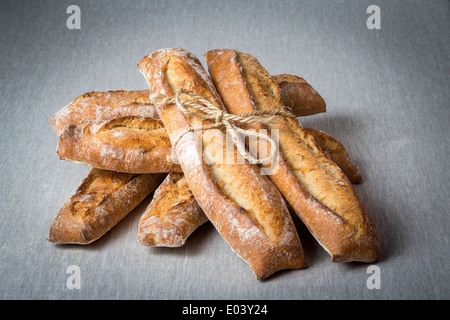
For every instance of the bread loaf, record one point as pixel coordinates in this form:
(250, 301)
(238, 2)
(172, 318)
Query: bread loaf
(337, 153)
(104, 106)
(130, 144)
(244, 206)
(295, 91)
(100, 202)
(70, 149)
(299, 96)
(172, 215)
(314, 186)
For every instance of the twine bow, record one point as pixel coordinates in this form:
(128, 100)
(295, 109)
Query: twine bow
(223, 119)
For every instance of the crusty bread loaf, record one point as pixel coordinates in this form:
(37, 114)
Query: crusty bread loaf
(336, 151)
(314, 186)
(172, 215)
(243, 205)
(104, 106)
(130, 144)
(69, 149)
(100, 202)
(298, 95)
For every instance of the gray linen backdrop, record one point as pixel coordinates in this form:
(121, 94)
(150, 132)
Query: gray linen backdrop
(387, 94)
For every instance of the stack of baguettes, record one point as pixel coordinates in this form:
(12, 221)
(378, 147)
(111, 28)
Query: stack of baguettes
(127, 141)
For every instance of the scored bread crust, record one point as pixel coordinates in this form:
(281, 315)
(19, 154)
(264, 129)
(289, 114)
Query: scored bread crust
(336, 151)
(100, 202)
(96, 105)
(299, 96)
(172, 215)
(130, 144)
(314, 186)
(104, 106)
(73, 148)
(244, 206)
(98, 111)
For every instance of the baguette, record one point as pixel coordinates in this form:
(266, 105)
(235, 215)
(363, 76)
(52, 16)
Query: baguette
(299, 96)
(172, 215)
(81, 150)
(98, 107)
(73, 147)
(104, 106)
(337, 153)
(100, 202)
(243, 205)
(130, 144)
(314, 186)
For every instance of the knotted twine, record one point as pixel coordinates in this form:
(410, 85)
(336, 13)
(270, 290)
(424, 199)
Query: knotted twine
(222, 119)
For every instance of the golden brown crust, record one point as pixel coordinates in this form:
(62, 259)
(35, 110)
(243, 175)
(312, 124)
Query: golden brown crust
(104, 106)
(130, 144)
(69, 149)
(336, 151)
(172, 215)
(233, 196)
(314, 186)
(97, 105)
(299, 96)
(100, 202)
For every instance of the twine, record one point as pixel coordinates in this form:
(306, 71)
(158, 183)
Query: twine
(222, 120)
